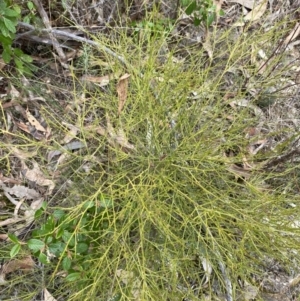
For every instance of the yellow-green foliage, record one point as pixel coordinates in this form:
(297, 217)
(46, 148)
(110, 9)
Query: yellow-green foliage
(175, 208)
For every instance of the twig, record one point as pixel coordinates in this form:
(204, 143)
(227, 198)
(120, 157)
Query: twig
(111, 15)
(281, 159)
(28, 36)
(66, 35)
(222, 267)
(46, 21)
(228, 285)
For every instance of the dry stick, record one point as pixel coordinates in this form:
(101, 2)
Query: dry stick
(222, 267)
(271, 57)
(111, 15)
(66, 35)
(30, 37)
(281, 47)
(46, 21)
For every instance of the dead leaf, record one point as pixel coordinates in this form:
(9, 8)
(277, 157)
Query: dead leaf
(119, 137)
(207, 267)
(22, 155)
(256, 146)
(3, 236)
(246, 103)
(23, 127)
(101, 130)
(53, 154)
(295, 281)
(12, 220)
(122, 140)
(71, 134)
(62, 159)
(11, 198)
(33, 121)
(257, 12)
(21, 191)
(29, 216)
(218, 4)
(18, 206)
(207, 45)
(8, 180)
(102, 81)
(246, 3)
(35, 205)
(48, 296)
(7, 105)
(239, 171)
(25, 264)
(250, 291)
(128, 278)
(293, 34)
(2, 64)
(69, 146)
(122, 88)
(35, 175)
(13, 92)
(125, 277)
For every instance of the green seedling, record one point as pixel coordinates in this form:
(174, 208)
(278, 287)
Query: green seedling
(204, 12)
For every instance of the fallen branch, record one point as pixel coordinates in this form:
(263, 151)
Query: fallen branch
(66, 35)
(30, 37)
(47, 24)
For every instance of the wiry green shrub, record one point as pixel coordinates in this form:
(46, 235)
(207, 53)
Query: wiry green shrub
(168, 219)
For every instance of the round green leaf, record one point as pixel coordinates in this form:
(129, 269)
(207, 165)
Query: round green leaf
(43, 258)
(73, 276)
(81, 247)
(35, 244)
(221, 13)
(68, 238)
(56, 248)
(66, 263)
(58, 214)
(30, 5)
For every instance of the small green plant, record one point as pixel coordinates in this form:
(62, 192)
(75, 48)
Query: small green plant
(204, 11)
(9, 19)
(158, 26)
(9, 16)
(66, 239)
(31, 16)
